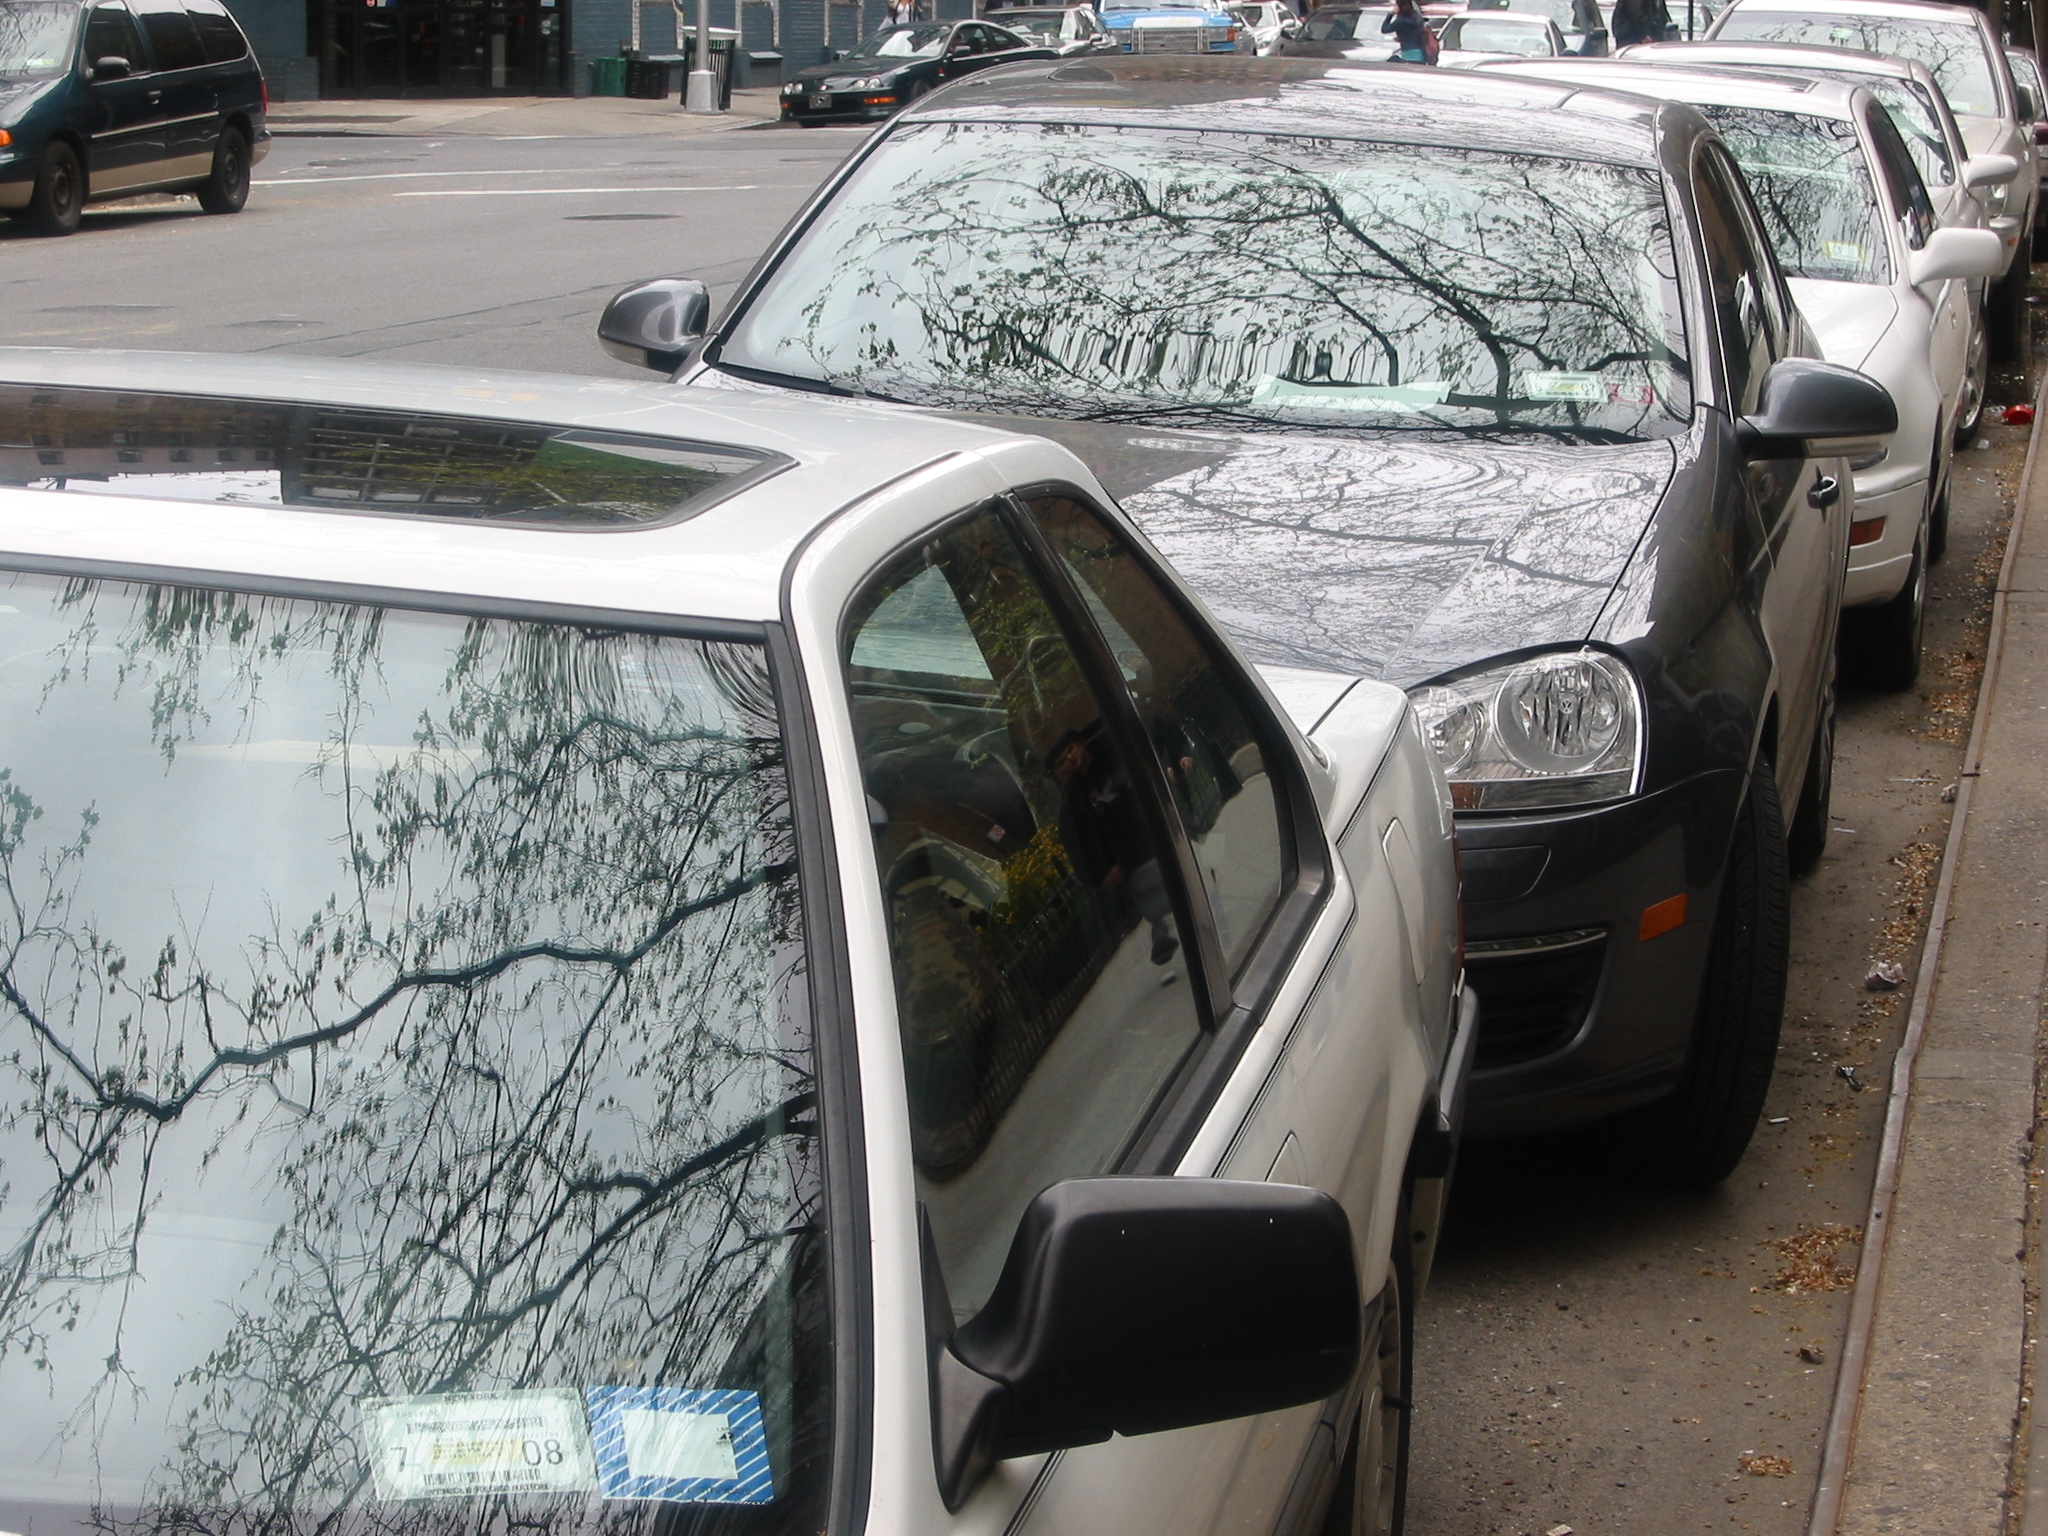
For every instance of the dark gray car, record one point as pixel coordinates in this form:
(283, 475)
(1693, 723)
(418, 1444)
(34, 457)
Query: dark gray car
(1489, 388)
(110, 99)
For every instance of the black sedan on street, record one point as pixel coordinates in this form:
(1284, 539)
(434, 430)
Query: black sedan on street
(896, 65)
(1487, 387)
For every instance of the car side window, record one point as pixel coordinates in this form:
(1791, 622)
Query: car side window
(1042, 992)
(173, 37)
(218, 33)
(1739, 278)
(110, 33)
(1904, 189)
(1199, 726)
(998, 39)
(968, 40)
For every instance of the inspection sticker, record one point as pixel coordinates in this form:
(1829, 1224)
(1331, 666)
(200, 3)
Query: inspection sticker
(680, 1444)
(454, 1445)
(1564, 386)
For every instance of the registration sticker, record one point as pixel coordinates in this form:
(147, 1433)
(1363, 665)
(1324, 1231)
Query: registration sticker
(455, 1445)
(1844, 250)
(1564, 386)
(680, 1444)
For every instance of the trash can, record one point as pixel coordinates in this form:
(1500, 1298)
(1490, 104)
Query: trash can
(607, 77)
(764, 68)
(723, 42)
(649, 75)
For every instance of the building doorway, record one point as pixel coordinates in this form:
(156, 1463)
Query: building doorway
(444, 48)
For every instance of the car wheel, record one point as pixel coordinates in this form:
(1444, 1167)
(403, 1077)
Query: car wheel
(1937, 525)
(1697, 1135)
(1881, 646)
(1976, 380)
(1372, 1485)
(917, 88)
(1808, 838)
(227, 189)
(58, 201)
(2005, 314)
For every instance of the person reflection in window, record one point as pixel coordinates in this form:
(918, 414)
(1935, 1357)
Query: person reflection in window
(1103, 829)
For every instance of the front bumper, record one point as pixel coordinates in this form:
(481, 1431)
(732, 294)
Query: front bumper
(1877, 570)
(841, 106)
(1579, 1016)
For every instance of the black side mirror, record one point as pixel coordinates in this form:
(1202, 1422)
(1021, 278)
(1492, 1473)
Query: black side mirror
(654, 325)
(1133, 1305)
(112, 67)
(1807, 406)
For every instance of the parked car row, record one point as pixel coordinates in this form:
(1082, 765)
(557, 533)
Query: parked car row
(899, 930)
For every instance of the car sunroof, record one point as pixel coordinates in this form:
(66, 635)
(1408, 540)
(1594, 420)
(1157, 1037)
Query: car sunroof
(355, 459)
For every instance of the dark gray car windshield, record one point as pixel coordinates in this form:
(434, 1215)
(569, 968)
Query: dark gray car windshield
(408, 1119)
(1954, 51)
(35, 40)
(1813, 189)
(1257, 281)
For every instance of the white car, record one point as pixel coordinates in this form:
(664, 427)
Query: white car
(1476, 37)
(1959, 44)
(1885, 287)
(1907, 89)
(1266, 24)
(581, 953)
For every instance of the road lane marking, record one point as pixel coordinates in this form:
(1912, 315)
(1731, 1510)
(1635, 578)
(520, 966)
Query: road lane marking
(315, 181)
(588, 191)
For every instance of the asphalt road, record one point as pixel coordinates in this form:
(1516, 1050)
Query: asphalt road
(1593, 1354)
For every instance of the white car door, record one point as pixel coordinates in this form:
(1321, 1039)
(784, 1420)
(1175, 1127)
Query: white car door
(1912, 209)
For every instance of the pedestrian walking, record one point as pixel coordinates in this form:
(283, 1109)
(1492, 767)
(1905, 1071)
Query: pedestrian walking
(1411, 33)
(1640, 21)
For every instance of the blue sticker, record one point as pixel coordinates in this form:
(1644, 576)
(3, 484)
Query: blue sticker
(680, 1444)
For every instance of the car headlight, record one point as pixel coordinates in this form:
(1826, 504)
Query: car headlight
(1996, 197)
(868, 83)
(1564, 728)
(793, 88)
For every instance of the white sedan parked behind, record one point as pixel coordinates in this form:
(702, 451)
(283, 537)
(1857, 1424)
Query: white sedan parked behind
(581, 956)
(1477, 37)
(1886, 289)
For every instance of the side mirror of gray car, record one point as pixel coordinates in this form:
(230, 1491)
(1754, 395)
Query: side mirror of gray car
(654, 324)
(112, 67)
(1810, 407)
(1133, 1305)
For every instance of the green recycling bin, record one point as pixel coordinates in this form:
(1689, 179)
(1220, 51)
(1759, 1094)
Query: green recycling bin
(607, 77)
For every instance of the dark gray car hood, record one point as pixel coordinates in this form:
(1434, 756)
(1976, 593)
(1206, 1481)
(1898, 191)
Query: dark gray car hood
(1388, 556)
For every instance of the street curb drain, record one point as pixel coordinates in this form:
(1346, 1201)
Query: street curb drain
(1838, 1446)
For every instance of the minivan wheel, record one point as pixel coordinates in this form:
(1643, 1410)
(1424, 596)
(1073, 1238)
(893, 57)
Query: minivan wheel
(1372, 1486)
(227, 189)
(1808, 838)
(1881, 646)
(1695, 1137)
(58, 202)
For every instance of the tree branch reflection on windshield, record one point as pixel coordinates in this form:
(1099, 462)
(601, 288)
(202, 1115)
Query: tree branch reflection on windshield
(1246, 281)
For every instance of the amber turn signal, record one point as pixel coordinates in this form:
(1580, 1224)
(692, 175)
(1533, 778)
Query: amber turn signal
(6, 138)
(1869, 531)
(1662, 917)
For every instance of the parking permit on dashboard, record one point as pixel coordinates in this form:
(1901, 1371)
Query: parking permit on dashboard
(460, 1445)
(680, 1444)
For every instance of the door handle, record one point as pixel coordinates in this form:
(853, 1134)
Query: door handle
(1825, 491)
(155, 97)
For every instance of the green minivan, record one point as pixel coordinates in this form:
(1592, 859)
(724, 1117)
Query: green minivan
(111, 98)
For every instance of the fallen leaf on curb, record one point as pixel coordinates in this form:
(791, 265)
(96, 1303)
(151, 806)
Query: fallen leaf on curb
(1811, 1354)
(1764, 1466)
(1811, 1259)
(1885, 976)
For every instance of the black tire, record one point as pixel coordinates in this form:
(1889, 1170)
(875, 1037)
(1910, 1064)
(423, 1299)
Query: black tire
(2005, 311)
(1695, 1137)
(1937, 525)
(1881, 646)
(57, 204)
(1377, 1504)
(1976, 384)
(917, 88)
(227, 189)
(1808, 838)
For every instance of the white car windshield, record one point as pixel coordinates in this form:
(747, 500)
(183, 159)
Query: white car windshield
(1497, 34)
(1954, 51)
(1813, 190)
(406, 1072)
(1254, 280)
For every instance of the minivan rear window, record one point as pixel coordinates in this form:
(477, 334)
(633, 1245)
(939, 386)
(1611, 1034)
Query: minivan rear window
(223, 40)
(353, 459)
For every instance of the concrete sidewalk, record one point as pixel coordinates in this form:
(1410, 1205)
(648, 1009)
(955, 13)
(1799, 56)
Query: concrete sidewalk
(519, 117)
(1932, 1434)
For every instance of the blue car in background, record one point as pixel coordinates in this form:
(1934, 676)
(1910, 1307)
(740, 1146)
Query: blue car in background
(1172, 26)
